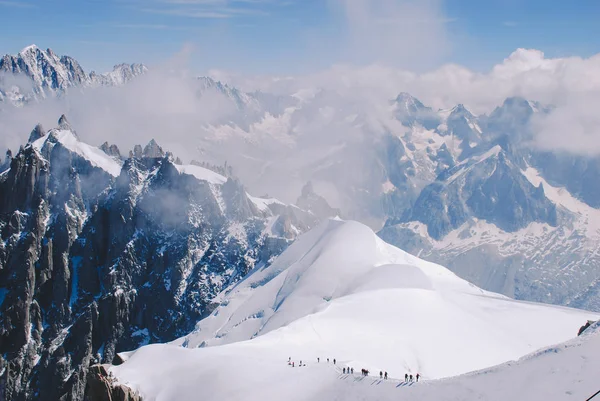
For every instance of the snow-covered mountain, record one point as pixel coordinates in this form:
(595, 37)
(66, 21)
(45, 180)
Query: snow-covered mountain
(470, 192)
(35, 74)
(340, 292)
(507, 218)
(101, 254)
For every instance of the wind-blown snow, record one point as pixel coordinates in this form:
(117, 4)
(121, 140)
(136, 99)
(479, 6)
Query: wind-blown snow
(341, 292)
(95, 156)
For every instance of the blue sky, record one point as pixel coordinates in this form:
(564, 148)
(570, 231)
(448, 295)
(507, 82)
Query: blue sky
(285, 36)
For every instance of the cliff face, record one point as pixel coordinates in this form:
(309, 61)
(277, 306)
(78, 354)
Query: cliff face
(101, 386)
(94, 261)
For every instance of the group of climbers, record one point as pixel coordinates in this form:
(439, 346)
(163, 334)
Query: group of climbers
(408, 378)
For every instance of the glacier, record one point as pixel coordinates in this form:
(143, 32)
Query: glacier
(341, 292)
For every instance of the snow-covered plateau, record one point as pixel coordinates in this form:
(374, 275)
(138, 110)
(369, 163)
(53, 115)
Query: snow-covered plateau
(340, 292)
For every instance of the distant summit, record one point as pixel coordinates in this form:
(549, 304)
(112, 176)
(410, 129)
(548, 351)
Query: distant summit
(52, 75)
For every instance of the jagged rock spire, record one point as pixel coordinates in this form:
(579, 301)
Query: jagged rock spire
(153, 150)
(63, 123)
(137, 151)
(309, 200)
(36, 133)
(111, 150)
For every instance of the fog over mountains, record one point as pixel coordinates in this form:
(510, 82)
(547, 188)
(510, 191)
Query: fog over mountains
(108, 245)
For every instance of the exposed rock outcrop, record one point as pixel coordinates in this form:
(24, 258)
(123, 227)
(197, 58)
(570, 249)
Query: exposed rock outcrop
(92, 265)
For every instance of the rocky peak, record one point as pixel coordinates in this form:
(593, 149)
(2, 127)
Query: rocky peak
(137, 151)
(64, 124)
(53, 75)
(460, 111)
(409, 101)
(238, 205)
(153, 150)
(5, 164)
(409, 110)
(111, 150)
(37, 132)
(310, 201)
(488, 186)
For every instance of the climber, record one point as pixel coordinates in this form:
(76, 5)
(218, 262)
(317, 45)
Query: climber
(418, 375)
(344, 370)
(405, 377)
(380, 374)
(385, 375)
(411, 378)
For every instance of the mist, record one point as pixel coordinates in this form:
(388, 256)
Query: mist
(317, 126)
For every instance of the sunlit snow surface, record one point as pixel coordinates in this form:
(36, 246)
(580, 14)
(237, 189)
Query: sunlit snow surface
(340, 292)
(202, 173)
(95, 156)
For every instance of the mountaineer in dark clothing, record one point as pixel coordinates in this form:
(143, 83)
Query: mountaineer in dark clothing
(418, 375)
(380, 374)
(385, 375)
(405, 377)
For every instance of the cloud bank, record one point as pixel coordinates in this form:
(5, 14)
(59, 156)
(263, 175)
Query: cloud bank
(313, 118)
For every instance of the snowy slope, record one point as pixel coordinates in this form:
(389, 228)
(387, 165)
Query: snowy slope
(244, 371)
(201, 173)
(539, 261)
(341, 292)
(92, 154)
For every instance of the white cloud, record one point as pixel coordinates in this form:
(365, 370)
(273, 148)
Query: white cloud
(286, 150)
(571, 84)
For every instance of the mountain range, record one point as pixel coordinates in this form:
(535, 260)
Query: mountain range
(104, 251)
(474, 193)
(100, 254)
(35, 74)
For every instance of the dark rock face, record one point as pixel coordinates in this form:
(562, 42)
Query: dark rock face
(91, 265)
(101, 386)
(489, 187)
(37, 133)
(153, 150)
(111, 150)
